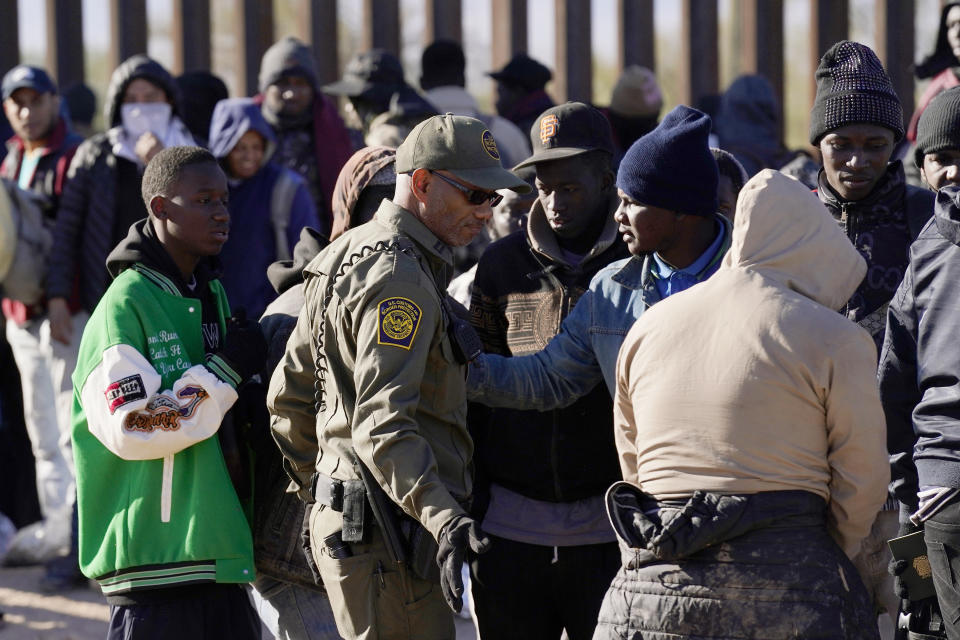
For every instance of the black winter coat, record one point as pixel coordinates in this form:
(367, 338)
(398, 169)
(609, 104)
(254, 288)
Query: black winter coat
(881, 227)
(83, 235)
(919, 370)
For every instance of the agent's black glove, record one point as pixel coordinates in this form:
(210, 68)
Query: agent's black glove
(897, 567)
(307, 547)
(460, 536)
(244, 347)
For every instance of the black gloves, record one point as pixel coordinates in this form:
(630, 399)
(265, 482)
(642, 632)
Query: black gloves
(460, 536)
(308, 547)
(244, 347)
(897, 567)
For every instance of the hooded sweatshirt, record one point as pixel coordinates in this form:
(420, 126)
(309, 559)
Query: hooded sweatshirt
(752, 382)
(251, 247)
(102, 195)
(748, 124)
(360, 171)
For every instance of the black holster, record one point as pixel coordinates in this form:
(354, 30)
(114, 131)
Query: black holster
(406, 540)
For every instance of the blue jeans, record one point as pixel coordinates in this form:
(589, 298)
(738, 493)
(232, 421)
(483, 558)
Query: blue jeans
(942, 535)
(294, 613)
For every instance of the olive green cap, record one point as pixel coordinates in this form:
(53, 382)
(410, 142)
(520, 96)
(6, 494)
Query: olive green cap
(461, 145)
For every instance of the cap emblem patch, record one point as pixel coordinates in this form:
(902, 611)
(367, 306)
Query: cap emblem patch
(490, 145)
(548, 128)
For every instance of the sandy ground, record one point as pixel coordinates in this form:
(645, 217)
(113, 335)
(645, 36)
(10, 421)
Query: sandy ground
(80, 614)
(30, 615)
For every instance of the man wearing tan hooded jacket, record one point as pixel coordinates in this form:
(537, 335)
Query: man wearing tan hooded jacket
(740, 510)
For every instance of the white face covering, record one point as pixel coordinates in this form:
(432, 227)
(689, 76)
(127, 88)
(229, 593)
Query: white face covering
(138, 118)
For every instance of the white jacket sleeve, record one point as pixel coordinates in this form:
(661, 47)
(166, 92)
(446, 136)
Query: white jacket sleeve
(135, 419)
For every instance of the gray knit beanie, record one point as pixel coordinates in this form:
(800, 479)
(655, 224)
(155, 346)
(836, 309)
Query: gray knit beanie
(285, 57)
(939, 126)
(852, 87)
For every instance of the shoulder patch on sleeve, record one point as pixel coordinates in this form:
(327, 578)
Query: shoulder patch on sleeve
(124, 391)
(399, 321)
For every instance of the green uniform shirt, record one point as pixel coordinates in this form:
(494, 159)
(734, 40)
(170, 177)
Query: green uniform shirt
(394, 392)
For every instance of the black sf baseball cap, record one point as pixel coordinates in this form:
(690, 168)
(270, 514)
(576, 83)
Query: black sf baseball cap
(568, 130)
(461, 145)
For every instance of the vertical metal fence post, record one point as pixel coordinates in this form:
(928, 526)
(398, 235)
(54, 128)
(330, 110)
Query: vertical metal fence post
(573, 76)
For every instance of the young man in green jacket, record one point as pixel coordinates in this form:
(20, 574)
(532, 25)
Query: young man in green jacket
(161, 527)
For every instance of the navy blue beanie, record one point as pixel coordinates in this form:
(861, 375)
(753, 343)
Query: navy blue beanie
(672, 166)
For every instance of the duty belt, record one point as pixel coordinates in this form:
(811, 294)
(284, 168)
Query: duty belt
(348, 497)
(333, 492)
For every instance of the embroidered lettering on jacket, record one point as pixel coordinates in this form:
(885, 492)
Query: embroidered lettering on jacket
(399, 321)
(211, 335)
(124, 391)
(165, 414)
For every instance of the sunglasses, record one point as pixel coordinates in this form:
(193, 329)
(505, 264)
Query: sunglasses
(474, 196)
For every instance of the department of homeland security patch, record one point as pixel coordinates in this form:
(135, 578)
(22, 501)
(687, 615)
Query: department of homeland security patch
(399, 321)
(490, 145)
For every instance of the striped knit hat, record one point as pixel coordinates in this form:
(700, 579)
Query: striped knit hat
(852, 87)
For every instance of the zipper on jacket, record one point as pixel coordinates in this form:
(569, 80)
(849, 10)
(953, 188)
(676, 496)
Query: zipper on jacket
(848, 221)
(166, 489)
(563, 310)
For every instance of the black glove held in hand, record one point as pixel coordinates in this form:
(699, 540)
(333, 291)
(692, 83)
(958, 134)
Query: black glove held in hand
(307, 547)
(244, 347)
(460, 536)
(897, 567)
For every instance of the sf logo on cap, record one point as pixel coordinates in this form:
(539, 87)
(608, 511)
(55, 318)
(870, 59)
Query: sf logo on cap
(548, 128)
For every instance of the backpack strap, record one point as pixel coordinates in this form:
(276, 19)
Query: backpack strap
(281, 202)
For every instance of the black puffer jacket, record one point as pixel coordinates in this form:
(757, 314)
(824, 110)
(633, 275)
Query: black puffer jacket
(881, 227)
(919, 371)
(83, 234)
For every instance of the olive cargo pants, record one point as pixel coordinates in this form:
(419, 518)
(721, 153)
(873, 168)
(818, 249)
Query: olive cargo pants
(372, 599)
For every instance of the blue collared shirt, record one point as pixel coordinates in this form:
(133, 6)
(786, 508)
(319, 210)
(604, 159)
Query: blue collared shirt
(670, 280)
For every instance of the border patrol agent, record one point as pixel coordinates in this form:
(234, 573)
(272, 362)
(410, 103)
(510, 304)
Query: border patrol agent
(378, 346)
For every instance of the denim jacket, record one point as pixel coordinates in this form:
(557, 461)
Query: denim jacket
(585, 350)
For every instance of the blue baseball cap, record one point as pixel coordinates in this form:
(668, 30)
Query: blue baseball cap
(24, 76)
